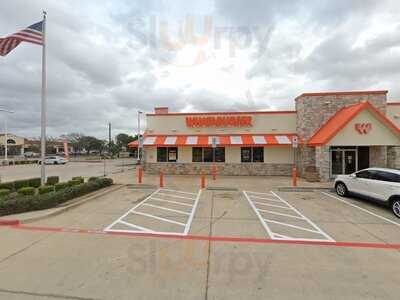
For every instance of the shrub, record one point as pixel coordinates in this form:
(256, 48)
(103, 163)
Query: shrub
(4, 192)
(74, 182)
(24, 203)
(53, 180)
(46, 189)
(21, 183)
(92, 179)
(27, 191)
(7, 185)
(79, 178)
(34, 182)
(60, 186)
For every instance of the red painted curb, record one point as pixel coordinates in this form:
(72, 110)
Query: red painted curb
(9, 222)
(367, 245)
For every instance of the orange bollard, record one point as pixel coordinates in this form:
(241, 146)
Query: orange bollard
(203, 180)
(294, 176)
(161, 178)
(214, 172)
(140, 174)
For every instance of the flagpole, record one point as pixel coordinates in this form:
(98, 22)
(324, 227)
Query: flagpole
(44, 105)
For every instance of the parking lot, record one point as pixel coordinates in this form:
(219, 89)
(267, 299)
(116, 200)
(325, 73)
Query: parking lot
(67, 171)
(243, 238)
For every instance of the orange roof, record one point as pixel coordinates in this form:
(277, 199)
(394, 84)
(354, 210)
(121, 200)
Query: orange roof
(133, 144)
(342, 118)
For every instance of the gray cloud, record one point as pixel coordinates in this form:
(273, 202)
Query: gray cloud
(103, 65)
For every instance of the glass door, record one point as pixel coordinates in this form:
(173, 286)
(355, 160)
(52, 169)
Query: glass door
(343, 161)
(337, 162)
(350, 161)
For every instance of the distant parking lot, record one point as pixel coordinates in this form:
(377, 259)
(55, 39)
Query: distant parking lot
(66, 172)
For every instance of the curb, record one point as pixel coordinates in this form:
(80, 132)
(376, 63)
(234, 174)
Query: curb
(303, 189)
(10, 222)
(61, 209)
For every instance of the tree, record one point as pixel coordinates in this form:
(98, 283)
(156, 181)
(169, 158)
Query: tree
(123, 139)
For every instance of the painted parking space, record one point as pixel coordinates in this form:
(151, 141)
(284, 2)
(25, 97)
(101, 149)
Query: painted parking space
(283, 221)
(165, 211)
(347, 219)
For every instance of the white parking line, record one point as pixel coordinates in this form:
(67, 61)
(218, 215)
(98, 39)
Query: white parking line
(296, 214)
(150, 202)
(363, 209)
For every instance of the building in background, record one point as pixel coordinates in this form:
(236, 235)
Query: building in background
(337, 133)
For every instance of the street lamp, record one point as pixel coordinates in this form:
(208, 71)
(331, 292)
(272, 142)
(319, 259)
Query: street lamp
(139, 146)
(6, 133)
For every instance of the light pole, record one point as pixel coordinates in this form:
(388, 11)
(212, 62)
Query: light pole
(139, 146)
(6, 133)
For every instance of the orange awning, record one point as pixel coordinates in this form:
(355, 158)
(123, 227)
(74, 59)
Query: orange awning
(221, 140)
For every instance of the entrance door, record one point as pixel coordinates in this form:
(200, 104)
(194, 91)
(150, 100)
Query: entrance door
(343, 161)
(350, 165)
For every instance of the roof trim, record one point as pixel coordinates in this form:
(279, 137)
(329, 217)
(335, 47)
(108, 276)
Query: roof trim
(260, 112)
(348, 93)
(393, 103)
(352, 114)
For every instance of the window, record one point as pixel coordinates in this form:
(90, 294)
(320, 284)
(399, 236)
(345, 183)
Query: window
(172, 154)
(246, 154)
(197, 154)
(363, 174)
(208, 154)
(161, 154)
(255, 154)
(258, 154)
(387, 176)
(165, 154)
(219, 154)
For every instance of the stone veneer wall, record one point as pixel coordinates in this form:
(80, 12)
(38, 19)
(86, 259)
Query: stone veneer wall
(322, 162)
(255, 169)
(393, 157)
(378, 156)
(314, 111)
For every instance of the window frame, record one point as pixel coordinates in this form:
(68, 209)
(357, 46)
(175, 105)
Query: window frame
(210, 154)
(167, 154)
(252, 152)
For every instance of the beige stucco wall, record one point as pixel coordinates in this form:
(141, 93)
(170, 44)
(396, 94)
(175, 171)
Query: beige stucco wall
(272, 155)
(151, 154)
(19, 141)
(277, 155)
(379, 134)
(393, 113)
(262, 123)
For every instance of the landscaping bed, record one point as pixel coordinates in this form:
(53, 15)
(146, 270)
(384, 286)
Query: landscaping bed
(27, 195)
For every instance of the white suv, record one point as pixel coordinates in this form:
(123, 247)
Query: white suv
(373, 183)
(54, 160)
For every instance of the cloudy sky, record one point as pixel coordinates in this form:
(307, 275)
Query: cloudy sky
(108, 59)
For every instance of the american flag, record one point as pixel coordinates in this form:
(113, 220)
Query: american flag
(33, 34)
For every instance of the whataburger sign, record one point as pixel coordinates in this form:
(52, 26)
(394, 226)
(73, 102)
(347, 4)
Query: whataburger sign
(219, 121)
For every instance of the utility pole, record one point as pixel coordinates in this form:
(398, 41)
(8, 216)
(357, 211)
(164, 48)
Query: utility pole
(6, 133)
(139, 139)
(109, 138)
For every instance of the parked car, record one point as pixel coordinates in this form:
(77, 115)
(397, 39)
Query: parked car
(378, 184)
(30, 154)
(54, 160)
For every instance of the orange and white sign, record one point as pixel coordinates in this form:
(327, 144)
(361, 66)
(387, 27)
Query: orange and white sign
(219, 121)
(363, 128)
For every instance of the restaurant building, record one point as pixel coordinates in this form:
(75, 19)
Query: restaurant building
(327, 134)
